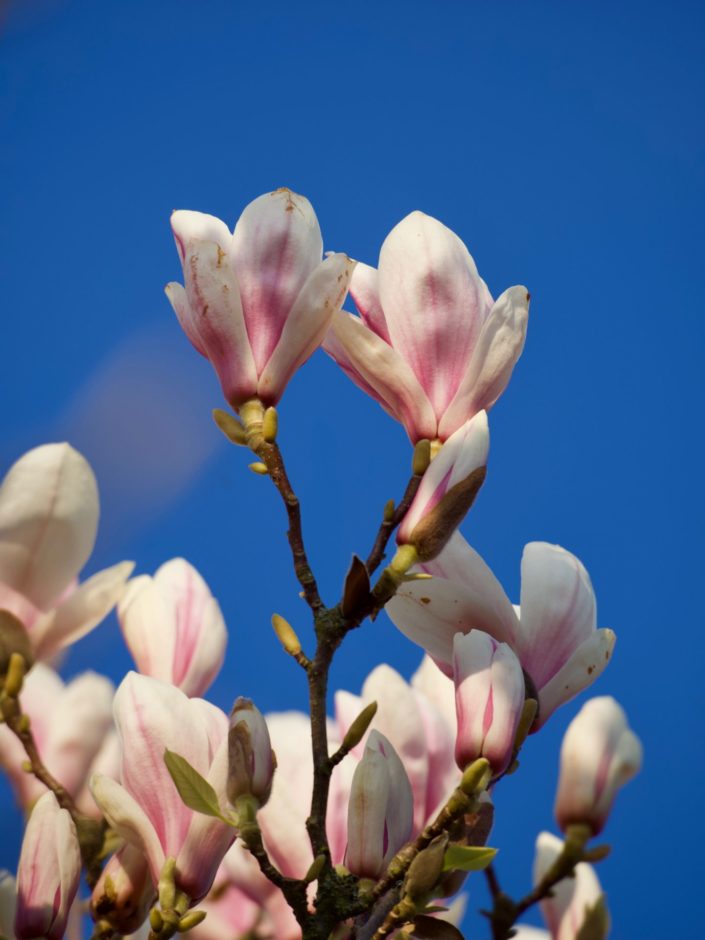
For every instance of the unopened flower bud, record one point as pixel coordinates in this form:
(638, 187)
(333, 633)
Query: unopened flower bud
(13, 639)
(599, 755)
(270, 425)
(358, 728)
(124, 892)
(286, 635)
(426, 869)
(448, 489)
(230, 426)
(251, 760)
(421, 458)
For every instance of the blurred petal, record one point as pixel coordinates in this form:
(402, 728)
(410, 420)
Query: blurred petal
(85, 609)
(48, 521)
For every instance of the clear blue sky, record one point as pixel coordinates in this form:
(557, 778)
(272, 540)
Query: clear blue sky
(565, 143)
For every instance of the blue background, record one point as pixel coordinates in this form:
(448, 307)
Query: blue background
(565, 144)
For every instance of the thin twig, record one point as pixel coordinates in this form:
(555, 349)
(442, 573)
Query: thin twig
(388, 526)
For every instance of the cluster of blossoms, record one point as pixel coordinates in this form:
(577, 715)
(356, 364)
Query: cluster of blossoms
(289, 825)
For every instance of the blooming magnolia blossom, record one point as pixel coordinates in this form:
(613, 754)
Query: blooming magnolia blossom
(380, 809)
(448, 486)
(145, 807)
(599, 754)
(257, 302)
(553, 632)
(71, 723)
(430, 344)
(48, 523)
(48, 873)
(564, 912)
(489, 697)
(173, 627)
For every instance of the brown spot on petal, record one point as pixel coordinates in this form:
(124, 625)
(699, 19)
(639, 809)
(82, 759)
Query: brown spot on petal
(590, 670)
(425, 600)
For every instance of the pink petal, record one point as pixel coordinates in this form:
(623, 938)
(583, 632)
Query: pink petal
(190, 226)
(558, 610)
(434, 302)
(216, 322)
(306, 324)
(583, 667)
(187, 321)
(381, 372)
(499, 345)
(364, 290)
(276, 245)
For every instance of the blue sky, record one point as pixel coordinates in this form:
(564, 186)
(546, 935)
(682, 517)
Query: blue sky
(565, 144)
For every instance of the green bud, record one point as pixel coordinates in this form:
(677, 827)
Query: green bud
(476, 777)
(528, 715)
(426, 869)
(156, 921)
(167, 888)
(286, 635)
(270, 425)
(389, 508)
(13, 639)
(358, 728)
(259, 467)
(421, 458)
(230, 427)
(315, 869)
(16, 671)
(192, 919)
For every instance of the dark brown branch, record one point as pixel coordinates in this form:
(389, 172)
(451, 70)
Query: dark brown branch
(388, 526)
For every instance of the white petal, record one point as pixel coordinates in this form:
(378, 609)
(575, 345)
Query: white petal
(48, 521)
(586, 664)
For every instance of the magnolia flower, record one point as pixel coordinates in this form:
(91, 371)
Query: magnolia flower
(173, 627)
(489, 697)
(553, 632)
(380, 811)
(70, 723)
(430, 344)
(145, 807)
(566, 909)
(599, 754)
(48, 523)
(48, 873)
(257, 302)
(447, 489)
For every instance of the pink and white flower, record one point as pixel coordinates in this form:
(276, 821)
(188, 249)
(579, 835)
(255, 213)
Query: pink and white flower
(430, 344)
(71, 723)
(554, 631)
(257, 302)
(489, 697)
(174, 627)
(48, 873)
(145, 807)
(599, 754)
(48, 523)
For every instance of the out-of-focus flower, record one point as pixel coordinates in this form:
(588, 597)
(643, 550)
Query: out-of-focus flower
(48, 522)
(553, 633)
(257, 302)
(70, 723)
(8, 904)
(430, 345)
(447, 489)
(565, 911)
(489, 697)
(145, 808)
(48, 872)
(380, 811)
(243, 899)
(173, 627)
(251, 761)
(419, 733)
(124, 892)
(599, 754)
